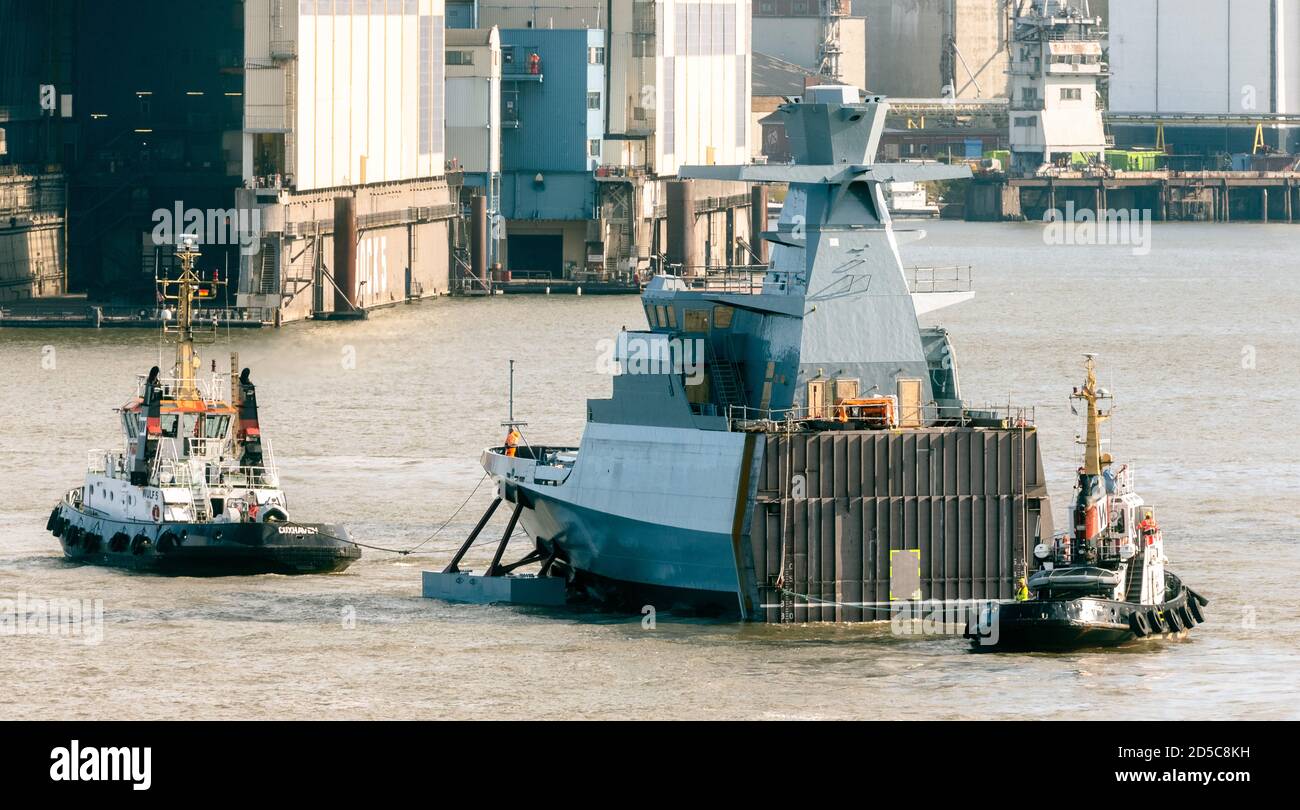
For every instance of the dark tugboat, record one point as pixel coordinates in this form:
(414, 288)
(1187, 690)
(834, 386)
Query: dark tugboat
(1104, 585)
(195, 490)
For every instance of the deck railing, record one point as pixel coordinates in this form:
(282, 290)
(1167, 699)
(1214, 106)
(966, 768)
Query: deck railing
(804, 418)
(952, 278)
(741, 279)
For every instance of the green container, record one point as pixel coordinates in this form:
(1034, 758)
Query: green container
(1133, 160)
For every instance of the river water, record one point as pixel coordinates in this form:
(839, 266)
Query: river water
(379, 425)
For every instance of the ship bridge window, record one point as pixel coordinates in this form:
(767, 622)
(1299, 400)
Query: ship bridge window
(672, 317)
(696, 320)
(722, 316)
(190, 424)
(215, 426)
(650, 316)
(167, 423)
(661, 317)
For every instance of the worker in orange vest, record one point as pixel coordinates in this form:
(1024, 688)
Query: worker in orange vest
(512, 441)
(534, 63)
(1147, 528)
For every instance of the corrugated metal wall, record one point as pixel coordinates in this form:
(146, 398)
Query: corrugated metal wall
(832, 506)
(370, 80)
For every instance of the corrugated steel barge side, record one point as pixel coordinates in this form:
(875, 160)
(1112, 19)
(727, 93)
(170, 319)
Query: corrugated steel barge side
(832, 508)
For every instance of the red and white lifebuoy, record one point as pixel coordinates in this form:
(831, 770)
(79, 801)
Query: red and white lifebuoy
(157, 513)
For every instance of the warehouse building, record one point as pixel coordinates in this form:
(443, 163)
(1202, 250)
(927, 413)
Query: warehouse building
(345, 101)
(35, 74)
(676, 91)
(1206, 77)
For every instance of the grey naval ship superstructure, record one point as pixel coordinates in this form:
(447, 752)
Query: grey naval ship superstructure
(194, 490)
(785, 441)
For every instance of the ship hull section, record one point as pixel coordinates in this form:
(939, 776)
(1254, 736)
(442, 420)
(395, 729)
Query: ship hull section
(203, 549)
(644, 507)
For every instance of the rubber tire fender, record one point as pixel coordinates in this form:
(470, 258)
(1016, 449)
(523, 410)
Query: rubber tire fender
(1158, 625)
(139, 545)
(1139, 624)
(1175, 621)
(1194, 607)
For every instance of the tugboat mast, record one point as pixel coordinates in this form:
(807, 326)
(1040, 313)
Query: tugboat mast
(188, 286)
(1090, 394)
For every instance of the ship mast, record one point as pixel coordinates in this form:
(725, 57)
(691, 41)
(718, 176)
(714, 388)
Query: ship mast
(184, 290)
(1090, 394)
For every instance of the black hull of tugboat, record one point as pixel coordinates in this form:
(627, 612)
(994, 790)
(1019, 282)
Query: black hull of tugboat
(1071, 624)
(203, 549)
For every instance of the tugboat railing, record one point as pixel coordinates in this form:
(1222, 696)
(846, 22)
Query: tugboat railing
(211, 386)
(97, 461)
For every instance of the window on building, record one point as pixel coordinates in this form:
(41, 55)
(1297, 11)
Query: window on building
(593, 100)
(1026, 121)
(460, 57)
(593, 147)
(1029, 94)
(1071, 93)
(595, 56)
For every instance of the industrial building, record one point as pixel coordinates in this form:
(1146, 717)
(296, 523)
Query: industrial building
(554, 95)
(944, 129)
(1206, 78)
(345, 101)
(822, 36)
(35, 97)
(473, 61)
(937, 48)
(676, 91)
(1056, 69)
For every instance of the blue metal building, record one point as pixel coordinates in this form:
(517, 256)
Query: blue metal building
(552, 118)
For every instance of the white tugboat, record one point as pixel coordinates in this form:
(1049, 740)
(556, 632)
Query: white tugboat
(194, 490)
(1105, 583)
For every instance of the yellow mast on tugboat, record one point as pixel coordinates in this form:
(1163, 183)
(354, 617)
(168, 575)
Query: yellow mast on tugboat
(1091, 395)
(184, 290)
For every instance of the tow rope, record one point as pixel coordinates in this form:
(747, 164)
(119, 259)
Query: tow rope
(415, 549)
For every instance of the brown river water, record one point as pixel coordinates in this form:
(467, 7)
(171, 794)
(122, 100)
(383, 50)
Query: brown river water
(379, 425)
